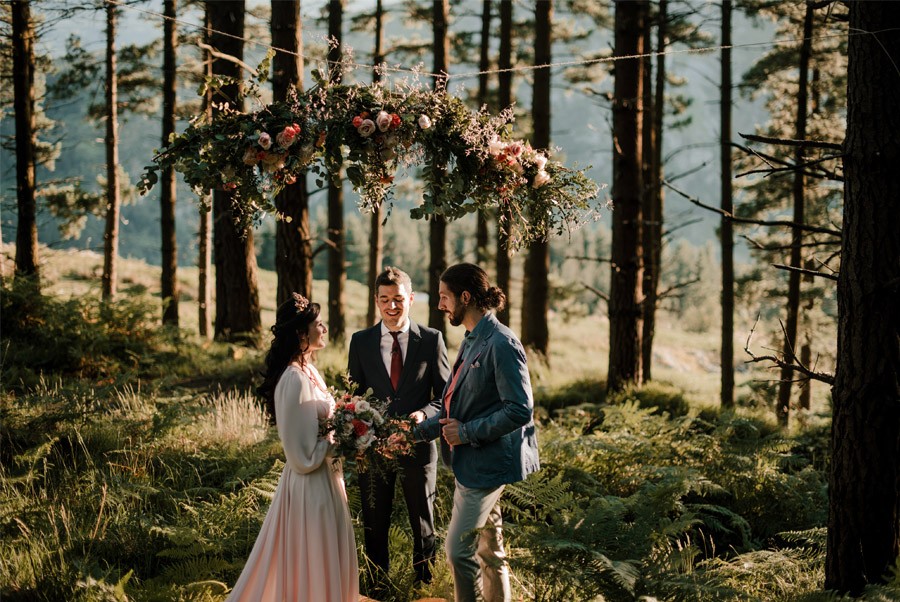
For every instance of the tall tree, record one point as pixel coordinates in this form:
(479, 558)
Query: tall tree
(293, 252)
(337, 276)
(799, 189)
(113, 196)
(651, 232)
(376, 229)
(625, 328)
(204, 235)
(484, 64)
(536, 288)
(237, 291)
(169, 281)
(23, 103)
(504, 101)
(726, 232)
(864, 501)
(437, 226)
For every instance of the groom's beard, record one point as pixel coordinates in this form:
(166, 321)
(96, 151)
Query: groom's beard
(456, 318)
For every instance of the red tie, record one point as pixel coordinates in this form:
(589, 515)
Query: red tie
(396, 361)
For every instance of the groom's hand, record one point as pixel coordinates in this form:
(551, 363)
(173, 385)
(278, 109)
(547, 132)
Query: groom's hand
(451, 431)
(418, 416)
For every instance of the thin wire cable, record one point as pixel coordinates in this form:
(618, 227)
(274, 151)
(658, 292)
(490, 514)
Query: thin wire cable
(607, 59)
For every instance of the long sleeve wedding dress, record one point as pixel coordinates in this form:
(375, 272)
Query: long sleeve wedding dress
(306, 551)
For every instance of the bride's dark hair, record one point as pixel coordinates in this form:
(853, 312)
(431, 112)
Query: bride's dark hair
(291, 325)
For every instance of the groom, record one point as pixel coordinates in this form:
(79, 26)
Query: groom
(487, 432)
(407, 364)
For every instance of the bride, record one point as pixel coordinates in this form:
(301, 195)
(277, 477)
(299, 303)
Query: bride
(306, 551)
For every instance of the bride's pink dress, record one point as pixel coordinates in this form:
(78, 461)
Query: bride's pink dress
(306, 551)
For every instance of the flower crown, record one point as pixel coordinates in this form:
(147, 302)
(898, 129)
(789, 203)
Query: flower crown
(300, 302)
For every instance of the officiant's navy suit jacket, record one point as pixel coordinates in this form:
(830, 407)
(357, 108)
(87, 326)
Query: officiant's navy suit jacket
(493, 402)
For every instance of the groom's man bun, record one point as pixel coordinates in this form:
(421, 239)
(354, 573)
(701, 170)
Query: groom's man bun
(470, 277)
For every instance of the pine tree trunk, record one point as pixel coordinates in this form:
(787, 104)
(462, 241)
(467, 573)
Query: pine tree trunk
(726, 231)
(536, 287)
(625, 328)
(337, 276)
(437, 226)
(169, 281)
(651, 220)
(484, 64)
(864, 488)
(806, 354)
(504, 100)
(793, 301)
(237, 291)
(23, 103)
(204, 271)
(376, 237)
(113, 198)
(657, 192)
(293, 252)
(204, 246)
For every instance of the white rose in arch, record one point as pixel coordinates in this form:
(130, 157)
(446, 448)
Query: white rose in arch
(265, 141)
(540, 178)
(383, 121)
(424, 122)
(496, 146)
(540, 161)
(366, 128)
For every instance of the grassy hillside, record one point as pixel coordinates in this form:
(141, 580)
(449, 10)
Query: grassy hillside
(579, 347)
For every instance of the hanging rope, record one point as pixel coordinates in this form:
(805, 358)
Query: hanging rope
(471, 74)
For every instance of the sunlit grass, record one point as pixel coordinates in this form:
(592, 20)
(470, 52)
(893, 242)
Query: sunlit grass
(231, 418)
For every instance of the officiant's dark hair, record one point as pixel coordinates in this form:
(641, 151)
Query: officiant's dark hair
(469, 277)
(290, 324)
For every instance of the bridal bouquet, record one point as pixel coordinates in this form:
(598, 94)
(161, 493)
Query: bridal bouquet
(359, 427)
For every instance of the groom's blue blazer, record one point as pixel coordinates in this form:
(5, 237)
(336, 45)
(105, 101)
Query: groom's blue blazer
(493, 402)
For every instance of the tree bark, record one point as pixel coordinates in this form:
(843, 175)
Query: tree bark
(536, 288)
(864, 502)
(790, 350)
(23, 104)
(484, 64)
(337, 276)
(204, 270)
(504, 100)
(113, 198)
(376, 236)
(169, 281)
(293, 252)
(625, 328)
(237, 291)
(437, 226)
(204, 246)
(651, 219)
(726, 229)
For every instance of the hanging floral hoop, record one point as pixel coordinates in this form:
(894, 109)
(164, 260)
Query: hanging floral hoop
(469, 160)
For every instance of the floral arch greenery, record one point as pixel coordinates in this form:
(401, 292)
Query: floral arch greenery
(469, 159)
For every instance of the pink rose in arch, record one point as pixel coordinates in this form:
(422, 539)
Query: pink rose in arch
(383, 121)
(366, 128)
